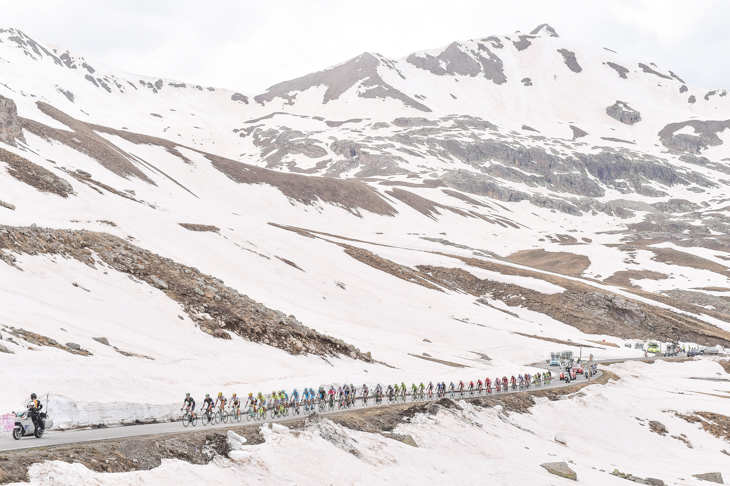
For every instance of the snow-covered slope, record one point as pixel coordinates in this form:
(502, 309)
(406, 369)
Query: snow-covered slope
(442, 212)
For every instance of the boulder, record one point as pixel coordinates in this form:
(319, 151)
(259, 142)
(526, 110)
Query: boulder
(655, 482)
(158, 282)
(102, 340)
(7, 205)
(10, 127)
(73, 346)
(409, 441)
(713, 477)
(560, 469)
(623, 113)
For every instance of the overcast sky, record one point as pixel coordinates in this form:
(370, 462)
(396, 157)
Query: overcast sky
(249, 45)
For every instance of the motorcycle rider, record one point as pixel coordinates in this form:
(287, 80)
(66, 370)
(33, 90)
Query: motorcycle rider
(34, 408)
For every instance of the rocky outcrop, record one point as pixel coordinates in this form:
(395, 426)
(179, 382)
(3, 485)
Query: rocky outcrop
(713, 477)
(560, 469)
(570, 60)
(361, 71)
(10, 127)
(622, 112)
(544, 29)
(622, 71)
(34, 175)
(216, 308)
(706, 135)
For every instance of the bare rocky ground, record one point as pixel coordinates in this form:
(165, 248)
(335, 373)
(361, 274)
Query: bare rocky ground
(145, 453)
(216, 308)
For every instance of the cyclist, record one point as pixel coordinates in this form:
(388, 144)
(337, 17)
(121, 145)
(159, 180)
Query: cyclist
(414, 390)
(235, 403)
(353, 393)
(378, 394)
(389, 392)
(479, 386)
(504, 383)
(207, 404)
(528, 380)
(522, 382)
(331, 396)
(488, 384)
(421, 390)
(452, 389)
(461, 387)
(514, 382)
(365, 393)
(220, 399)
(471, 387)
(189, 403)
(295, 398)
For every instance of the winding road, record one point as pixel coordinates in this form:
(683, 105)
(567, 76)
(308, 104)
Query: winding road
(54, 438)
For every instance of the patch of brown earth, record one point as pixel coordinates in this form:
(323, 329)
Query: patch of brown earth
(215, 308)
(404, 273)
(82, 138)
(681, 304)
(714, 423)
(714, 289)
(582, 306)
(200, 227)
(422, 205)
(34, 175)
(465, 198)
(623, 278)
(290, 263)
(348, 194)
(684, 259)
(552, 261)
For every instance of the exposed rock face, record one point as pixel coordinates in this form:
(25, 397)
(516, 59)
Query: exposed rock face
(455, 61)
(713, 477)
(544, 29)
(362, 71)
(10, 128)
(34, 175)
(622, 112)
(706, 135)
(570, 60)
(649, 70)
(622, 71)
(560, 469)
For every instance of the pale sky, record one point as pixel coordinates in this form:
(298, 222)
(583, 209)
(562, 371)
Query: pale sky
(249, 45)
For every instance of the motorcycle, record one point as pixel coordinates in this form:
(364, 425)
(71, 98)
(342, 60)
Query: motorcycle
(24, 425)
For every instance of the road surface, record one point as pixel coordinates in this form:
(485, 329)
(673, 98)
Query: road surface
(54, 438)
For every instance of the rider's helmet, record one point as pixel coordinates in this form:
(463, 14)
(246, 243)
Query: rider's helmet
(234, 395)
(295, 391)
(250, 394)
(187, 394)
(220, 394)
(207, 395)
(32, 396)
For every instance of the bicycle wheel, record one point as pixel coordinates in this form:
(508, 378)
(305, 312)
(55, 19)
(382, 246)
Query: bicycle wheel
(205, 419)
(186, 420)
(217, 418)
(224, 416)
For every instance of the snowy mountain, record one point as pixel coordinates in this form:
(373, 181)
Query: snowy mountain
(479, 205)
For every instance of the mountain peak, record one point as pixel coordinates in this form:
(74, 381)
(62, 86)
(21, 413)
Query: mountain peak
(544, 29)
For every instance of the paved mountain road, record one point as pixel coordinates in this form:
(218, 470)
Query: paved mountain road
(53, 438)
